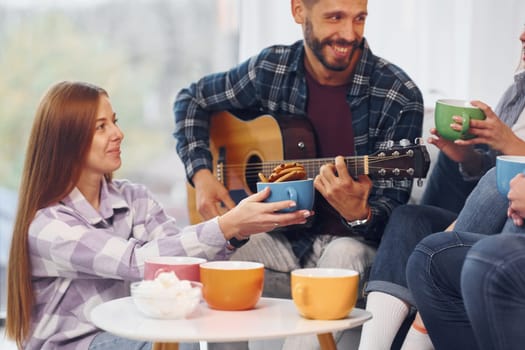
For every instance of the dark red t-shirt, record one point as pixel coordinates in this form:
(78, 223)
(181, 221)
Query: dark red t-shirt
(331, 118)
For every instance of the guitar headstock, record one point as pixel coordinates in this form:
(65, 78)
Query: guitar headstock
(399, 160)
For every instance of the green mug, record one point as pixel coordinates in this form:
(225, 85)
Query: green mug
(446, 109)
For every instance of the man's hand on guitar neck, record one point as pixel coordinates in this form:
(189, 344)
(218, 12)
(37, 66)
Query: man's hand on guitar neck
(210, 195)
(346, 195)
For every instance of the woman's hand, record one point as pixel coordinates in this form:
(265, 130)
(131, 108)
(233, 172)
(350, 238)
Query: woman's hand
(516, 196)
(457, 152)
(491, 131)
(252, 215)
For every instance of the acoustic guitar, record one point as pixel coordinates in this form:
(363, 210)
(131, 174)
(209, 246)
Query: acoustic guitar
(241, 149)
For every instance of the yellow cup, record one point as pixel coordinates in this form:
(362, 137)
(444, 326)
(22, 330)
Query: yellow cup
(232, 285)
(324, 293)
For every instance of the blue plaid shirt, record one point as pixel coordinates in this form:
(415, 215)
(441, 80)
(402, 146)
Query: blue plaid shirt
(385, 105)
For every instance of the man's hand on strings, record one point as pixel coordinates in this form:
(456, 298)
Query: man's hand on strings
(348, 196)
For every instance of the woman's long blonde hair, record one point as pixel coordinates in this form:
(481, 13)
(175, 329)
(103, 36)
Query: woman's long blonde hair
(58, 146)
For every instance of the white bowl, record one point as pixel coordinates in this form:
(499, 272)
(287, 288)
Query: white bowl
(166, 303)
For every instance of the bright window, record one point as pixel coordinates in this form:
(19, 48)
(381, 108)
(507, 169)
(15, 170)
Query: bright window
(142, 52)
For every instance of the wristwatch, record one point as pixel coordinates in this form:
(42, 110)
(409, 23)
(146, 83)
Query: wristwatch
(359, 222)
(237, 243)
(356, 222)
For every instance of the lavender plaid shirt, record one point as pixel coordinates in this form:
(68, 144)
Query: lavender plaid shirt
(82, 257)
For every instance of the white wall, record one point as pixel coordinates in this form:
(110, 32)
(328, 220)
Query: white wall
(264, 23)
(451, 48)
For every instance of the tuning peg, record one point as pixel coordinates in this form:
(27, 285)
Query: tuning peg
(404, 142)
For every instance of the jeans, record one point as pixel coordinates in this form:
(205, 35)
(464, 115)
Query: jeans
(470, 289)
(497, 309)
(433, 276)
(446, 187)
(108, 341)
(485, 210)
(407, 225)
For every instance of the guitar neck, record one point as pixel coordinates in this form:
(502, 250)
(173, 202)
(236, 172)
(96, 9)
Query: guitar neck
(357, 165)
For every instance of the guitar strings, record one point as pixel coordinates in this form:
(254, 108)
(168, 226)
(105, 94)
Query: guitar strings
(256, 166)
(268, 166)
(317, 161)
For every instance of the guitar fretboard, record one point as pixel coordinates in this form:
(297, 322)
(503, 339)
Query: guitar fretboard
(355, 165)
(374, 166)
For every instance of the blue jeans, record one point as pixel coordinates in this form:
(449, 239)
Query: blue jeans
(407, 225)
(493, 289)
(446, 187)
(470, 289)
(484, 212)
(108, 341)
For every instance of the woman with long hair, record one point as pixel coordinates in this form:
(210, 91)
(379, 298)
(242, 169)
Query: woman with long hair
(80, 237)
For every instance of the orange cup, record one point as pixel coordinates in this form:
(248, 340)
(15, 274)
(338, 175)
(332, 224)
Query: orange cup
(324, 293)
(232, 285)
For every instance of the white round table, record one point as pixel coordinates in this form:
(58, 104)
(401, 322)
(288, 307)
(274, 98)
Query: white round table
(271, 318)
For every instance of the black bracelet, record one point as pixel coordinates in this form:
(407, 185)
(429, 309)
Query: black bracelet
(237, 243)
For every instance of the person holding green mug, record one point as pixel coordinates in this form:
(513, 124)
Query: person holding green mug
(469, 143)
(467, 153)
(461, 163)
(476, 125)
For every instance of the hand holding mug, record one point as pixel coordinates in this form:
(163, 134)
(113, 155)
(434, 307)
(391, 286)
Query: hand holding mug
(299, 191)
(456, 152)
(453, 118)
(252, 215)
(490, 131)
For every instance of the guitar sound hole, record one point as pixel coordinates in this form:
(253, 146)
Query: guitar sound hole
(253, 167)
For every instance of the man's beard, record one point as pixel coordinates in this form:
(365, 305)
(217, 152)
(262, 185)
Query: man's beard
(317, 48)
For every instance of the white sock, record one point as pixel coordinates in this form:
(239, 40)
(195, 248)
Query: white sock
(388, 313)
(417, 340)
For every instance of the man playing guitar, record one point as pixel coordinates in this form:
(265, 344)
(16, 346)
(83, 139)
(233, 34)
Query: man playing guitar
(356, 103)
